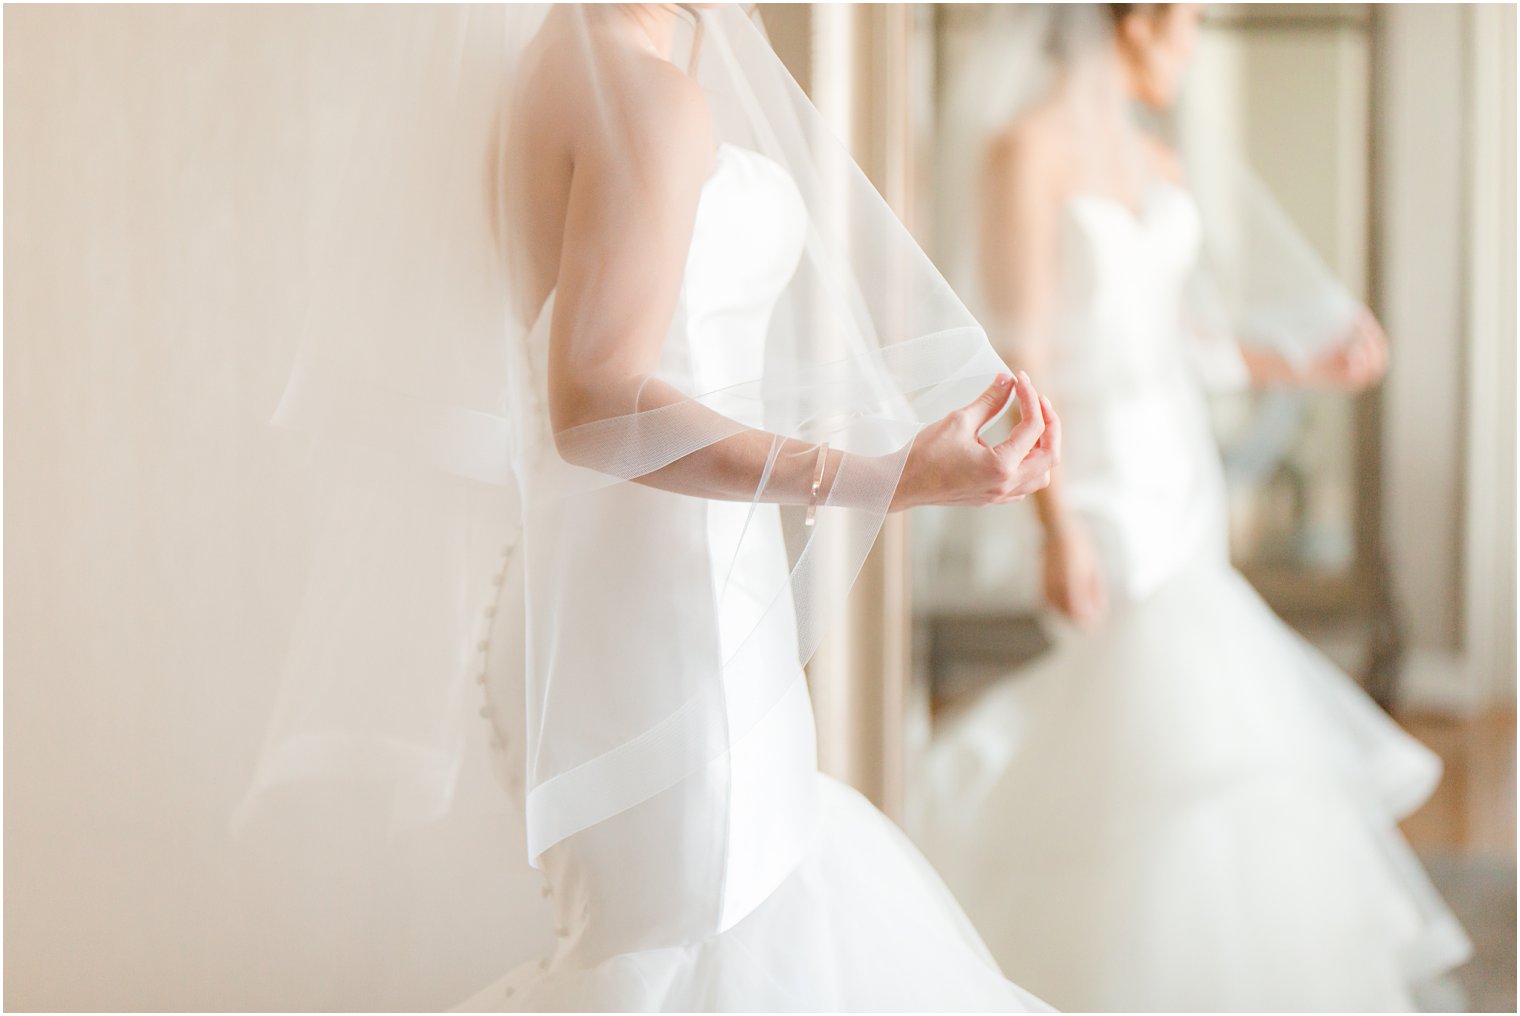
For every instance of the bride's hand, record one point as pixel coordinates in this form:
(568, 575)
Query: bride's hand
(1073, 574)
(949, 465)
(1356, 364)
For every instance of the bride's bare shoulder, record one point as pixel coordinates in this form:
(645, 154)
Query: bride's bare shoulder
(588, 75)
(1031, 150)
(664, 106)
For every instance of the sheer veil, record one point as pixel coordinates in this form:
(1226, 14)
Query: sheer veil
(1257, 283)
(463, 505)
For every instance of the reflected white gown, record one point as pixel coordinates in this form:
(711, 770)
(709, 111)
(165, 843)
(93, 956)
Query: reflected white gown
(1188, 808)
(756, 883)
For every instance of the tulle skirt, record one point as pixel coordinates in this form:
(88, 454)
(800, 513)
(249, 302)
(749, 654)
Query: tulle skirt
(1189, 809)
(863, 924)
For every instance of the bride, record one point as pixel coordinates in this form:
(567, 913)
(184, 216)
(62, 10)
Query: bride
(631, 409)
(1182, 806)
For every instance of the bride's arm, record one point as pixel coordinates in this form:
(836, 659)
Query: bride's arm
(1357, 362)
(632, 204)
(1020, 258)
(1354, 364)
(1017, 244)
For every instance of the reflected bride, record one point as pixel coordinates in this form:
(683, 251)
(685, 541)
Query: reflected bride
(1182, 806)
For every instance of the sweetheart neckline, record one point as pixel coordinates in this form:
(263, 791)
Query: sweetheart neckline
(1141, 219)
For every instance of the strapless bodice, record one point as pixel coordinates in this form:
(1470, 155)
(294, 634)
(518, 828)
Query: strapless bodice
(745, 244)
(1139, 460)
(1118, 316)
(695, 613)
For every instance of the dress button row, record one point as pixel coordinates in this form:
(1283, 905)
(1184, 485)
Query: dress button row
(483, 647)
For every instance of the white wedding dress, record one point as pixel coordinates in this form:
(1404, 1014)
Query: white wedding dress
(1187, 808)
(755, 883)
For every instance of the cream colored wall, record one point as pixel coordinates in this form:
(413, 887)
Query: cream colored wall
(165, 169)
(1420, 211)
(1446, 216)
(1490, 600)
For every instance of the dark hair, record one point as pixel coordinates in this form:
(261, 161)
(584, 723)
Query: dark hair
(1118, 12)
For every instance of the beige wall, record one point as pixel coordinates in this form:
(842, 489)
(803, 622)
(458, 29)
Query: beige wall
(165, 170)
(1420, 158)
(1446, 219)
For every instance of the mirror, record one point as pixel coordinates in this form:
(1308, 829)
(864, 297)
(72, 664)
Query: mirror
(1293, 87)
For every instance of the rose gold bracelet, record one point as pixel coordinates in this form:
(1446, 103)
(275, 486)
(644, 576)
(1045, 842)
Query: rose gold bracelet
(812, 512)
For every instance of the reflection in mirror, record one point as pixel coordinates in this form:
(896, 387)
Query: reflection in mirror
(1132, 752)
(1290, 94)
(1293, 95)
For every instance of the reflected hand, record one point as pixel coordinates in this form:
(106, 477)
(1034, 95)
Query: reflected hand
(1358, 363)
(950, 465)
(1074, 584)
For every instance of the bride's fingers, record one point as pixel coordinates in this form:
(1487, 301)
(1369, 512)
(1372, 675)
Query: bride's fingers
(1033, 471)
(1036, 470)
(1036, 478)
(1367, 360)
(1346, 366)
(1035, 466)
(1356, 365)
(1031, 424)
(1367, 354)
(1051, 439)
(987, 404)
(1377, 349)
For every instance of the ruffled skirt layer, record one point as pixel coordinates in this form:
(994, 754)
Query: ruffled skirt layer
(863, 924)
(1189, 809)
